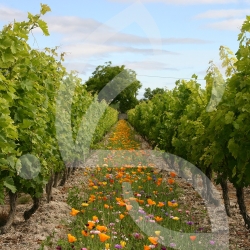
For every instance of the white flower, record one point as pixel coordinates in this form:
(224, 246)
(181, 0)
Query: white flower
(95, 232)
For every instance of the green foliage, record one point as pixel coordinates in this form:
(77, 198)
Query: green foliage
(228, 61)
(148, 95)
(208, 127)
(30, 81)
(121, 85)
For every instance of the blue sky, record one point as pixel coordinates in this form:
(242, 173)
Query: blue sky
(167, 38)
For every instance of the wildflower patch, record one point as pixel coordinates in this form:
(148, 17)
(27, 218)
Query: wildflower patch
(109, 217)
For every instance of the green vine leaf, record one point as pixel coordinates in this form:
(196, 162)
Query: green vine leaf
(9, 183)
(43, 26)
(44, 9)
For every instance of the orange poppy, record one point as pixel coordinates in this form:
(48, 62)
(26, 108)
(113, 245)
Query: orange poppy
(103, 237)
(173, 174)
(153, 240)
(90, 225)
(192, 237)
(160, 204)
(95, 218)
(121, 203)
(101, 228)
(151, 202)
(129, 207)
(71, 238)
(158, 218)
(74, 212)
(91, 184)
(170, 181)
(85, 233)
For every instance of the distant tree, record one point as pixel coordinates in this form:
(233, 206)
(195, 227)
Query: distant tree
(148, 95)
(115, 79)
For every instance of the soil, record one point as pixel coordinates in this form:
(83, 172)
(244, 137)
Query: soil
(52, 217)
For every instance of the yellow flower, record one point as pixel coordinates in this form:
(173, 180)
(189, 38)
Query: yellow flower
(85, 204)
(176, 218)
(132, 198)
(123, 243)
(157, 233)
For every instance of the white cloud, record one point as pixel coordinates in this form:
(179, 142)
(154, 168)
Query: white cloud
(230, 13)
(149, 65)
(9, 14)
(90, 49)
(80, 29)
(80, 67)
(73, 24)
(184, 2)
(231, 24)
(81, 37)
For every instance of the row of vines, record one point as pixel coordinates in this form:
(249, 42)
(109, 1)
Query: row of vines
(41, 104)
(208, 127)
